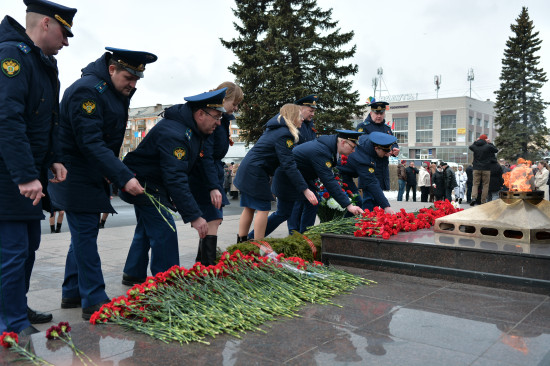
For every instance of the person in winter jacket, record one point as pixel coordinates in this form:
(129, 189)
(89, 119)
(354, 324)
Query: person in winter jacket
(273, 150)
(29, 112)
(496, 182)
(439, 184)
(207, 178)
(93, 117)
(411, 172)
(450, 181)
(424, 182)
(541, 178)
(401, 179)
(484, 154)
(461, 180)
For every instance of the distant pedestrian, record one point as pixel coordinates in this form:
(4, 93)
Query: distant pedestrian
(461, 180)
(411, 172)
(401, 179)
(450, 180)
(541, 178)
(496, 182)
(469, 183)
(439, 184)
(424, 182)
(484, 153)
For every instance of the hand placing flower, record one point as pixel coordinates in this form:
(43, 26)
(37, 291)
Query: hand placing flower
(11, 340)
(62, 331)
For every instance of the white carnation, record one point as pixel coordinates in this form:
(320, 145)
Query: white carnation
(331, 202)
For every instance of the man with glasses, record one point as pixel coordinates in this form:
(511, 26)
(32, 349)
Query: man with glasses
(94, 113)
(361, 163)
(29, 110)
(375, 122)
(162, 163)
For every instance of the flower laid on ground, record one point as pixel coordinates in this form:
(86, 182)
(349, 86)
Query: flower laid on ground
(62, 331)
(11, 340)
(329, 209)
(377, 223)
(240, 293)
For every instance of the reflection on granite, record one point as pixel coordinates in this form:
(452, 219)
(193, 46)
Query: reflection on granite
(400, 320)
(516, 266)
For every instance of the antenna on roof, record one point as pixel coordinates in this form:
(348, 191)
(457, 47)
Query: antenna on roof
(437, 82)
(470, 79)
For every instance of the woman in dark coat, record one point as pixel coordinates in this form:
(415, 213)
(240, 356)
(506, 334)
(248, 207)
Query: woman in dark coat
(439, 184)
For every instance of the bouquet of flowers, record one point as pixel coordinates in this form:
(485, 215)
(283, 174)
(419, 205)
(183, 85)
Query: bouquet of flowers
(329, 208)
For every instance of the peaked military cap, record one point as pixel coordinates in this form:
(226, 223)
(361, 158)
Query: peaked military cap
(212, 99)
(309, 101)
(378, 106)
(62, 14)
(133, 61)
(382, 140)
(349, 135)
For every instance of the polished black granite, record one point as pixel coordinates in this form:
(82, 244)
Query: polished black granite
(516, 266)
(400, 320)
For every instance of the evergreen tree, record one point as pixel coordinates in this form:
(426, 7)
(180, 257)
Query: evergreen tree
(288, 49)
(520, 119)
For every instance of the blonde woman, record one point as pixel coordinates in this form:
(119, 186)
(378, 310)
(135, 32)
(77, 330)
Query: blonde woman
(541, 178)
(273, 149)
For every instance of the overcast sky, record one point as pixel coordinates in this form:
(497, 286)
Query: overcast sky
(412, 41)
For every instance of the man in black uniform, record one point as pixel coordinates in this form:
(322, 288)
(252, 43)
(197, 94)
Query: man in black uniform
(29, 106)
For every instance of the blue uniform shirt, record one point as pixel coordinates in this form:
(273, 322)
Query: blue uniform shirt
(315, 159)
(29, 112)
(273, 150)
(163, 160)
(92, 128)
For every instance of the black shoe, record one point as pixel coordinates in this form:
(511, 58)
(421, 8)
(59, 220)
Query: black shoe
(460, 200)
(473, 203)
(70, 302)
(131, 281)
(90, 310)
(36, 317)
(102, 225)
(28, 331)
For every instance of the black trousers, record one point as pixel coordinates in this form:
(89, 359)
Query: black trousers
(424, 193)
(414, 192)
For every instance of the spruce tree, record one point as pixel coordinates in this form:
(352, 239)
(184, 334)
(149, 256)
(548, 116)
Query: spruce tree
(288, 49)
(520, 119)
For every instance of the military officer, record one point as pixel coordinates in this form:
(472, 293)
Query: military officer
(162, 163)
(315, 159)
(207, 178)
(362, 163)
(293, 211)
(94, 113)
(29, 109)
(375, 122)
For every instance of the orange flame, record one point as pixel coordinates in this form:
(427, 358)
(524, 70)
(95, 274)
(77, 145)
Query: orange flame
(520, 178)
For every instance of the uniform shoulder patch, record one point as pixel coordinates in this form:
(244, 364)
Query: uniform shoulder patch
(88, 106)
(180, 153)
(188, 134)
(371, 170)
(10, 67)
(360, 130)
(289, 143)
(101, 86)
(23, 47)
(328, 164)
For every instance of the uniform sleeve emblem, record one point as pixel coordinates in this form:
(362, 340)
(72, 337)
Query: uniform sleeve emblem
(360, 130)
(10, 67)
(179, 153)
(328, 164)
(289, 143)
(89, 107)
(188, 134)
(371, 170)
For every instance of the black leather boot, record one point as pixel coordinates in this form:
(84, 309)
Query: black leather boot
(199, 252)
(241, 239)
(58, 228)
(52, 228)
(209, 245)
